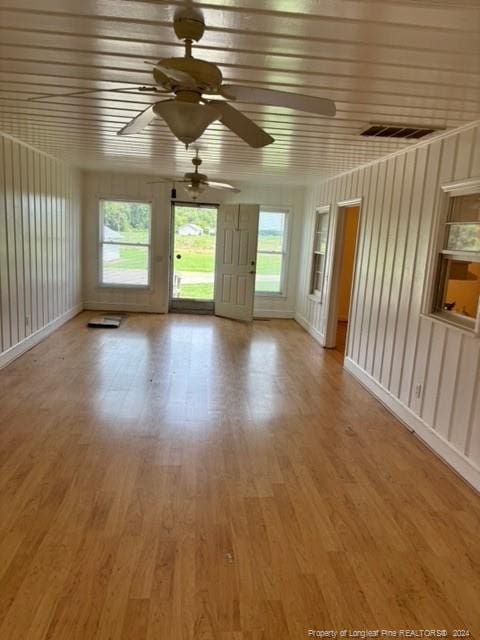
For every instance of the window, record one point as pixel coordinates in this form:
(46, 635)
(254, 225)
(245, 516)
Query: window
(271, 252)
(125, 243)
(458, 277)
(322, 219)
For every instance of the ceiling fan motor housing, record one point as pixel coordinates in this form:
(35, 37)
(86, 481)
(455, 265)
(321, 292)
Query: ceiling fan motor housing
(196, 177)
(207, 75)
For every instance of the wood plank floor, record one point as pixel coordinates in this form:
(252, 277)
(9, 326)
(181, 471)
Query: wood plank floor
(341, 338)
(190, 477)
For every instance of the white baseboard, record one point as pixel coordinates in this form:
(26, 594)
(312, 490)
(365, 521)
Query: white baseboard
(273, 313)
(27, 343)
(441, 447)
(119, 306)
(315, 333)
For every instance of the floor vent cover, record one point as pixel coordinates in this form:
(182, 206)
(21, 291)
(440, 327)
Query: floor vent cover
(397, 131)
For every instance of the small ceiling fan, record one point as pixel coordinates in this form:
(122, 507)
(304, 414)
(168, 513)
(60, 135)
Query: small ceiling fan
(195, 183)
(201, 97)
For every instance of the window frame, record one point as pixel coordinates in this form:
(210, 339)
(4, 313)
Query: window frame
(442, 254)
(284, 252)
(102, 242)
(318, 295)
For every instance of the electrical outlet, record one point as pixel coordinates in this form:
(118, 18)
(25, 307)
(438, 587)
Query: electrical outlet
(418, 391)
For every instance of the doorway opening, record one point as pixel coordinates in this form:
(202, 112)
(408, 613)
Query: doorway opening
(349, 241)
(342, 282)
(193, 245)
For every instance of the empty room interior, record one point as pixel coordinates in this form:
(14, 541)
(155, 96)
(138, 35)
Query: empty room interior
(239, 319)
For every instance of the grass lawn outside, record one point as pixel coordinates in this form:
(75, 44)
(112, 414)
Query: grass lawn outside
(198, 260)
(199, 291)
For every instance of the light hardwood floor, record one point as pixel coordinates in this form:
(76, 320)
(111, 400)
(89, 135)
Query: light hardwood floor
(194, 478)
(341, 338)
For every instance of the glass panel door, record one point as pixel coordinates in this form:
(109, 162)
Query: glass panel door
(193, 257)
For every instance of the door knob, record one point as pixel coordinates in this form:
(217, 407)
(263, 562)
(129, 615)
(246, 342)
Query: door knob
(178, 256)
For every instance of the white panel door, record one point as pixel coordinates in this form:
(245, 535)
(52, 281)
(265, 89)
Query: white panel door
(236, 256)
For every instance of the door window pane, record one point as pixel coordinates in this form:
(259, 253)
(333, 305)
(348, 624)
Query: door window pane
(194, 252)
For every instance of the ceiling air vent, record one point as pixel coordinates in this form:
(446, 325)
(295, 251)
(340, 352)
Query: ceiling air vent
(397, 131)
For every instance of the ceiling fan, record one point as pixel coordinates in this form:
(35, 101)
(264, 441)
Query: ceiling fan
(195, 183)
(201, 97)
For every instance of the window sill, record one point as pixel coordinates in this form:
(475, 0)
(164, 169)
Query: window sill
(130, 287)
(466, 256)
(446, 319)
(269, 294)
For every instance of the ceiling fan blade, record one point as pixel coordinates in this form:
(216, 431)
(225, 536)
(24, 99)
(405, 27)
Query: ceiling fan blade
(172, 74)
(87, 91)
(257, 95)
(138, 123)
(164, 180)
(242, 126)
(65, 95)
(222, 186)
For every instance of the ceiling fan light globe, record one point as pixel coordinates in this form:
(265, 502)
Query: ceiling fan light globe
(186, 120)
(195, 187)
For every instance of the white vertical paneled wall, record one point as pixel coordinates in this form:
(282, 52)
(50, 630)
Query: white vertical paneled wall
(131, 186)
(427, 372)
(40, 246)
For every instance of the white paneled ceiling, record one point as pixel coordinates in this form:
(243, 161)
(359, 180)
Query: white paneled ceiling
(400, 62)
